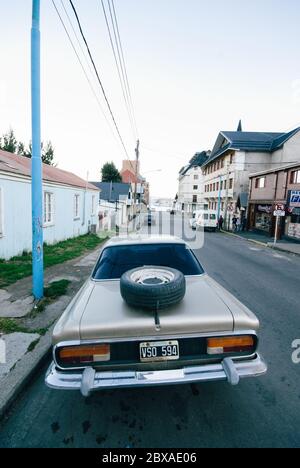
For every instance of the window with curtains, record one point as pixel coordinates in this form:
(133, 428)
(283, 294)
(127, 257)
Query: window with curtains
(76, 206)
(48, 208)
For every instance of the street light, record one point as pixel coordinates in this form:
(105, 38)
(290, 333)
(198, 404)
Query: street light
(36, 161)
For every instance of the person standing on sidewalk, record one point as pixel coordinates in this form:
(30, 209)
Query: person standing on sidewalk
(220, 222)
(234, 223)
(238, 225)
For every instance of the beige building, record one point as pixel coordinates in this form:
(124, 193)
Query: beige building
(191, 186)
(235, 156)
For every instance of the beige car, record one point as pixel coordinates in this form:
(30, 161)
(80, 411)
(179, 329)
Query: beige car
(150, 315)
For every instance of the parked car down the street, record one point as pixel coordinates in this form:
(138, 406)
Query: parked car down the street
(150, 315)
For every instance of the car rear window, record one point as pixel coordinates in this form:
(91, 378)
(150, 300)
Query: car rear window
(115, 261)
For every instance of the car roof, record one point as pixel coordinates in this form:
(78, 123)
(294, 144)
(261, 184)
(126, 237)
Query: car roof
(139, 239)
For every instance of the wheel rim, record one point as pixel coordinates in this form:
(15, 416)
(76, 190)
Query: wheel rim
(152, 277)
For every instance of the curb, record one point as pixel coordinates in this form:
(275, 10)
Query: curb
(12, 384)
(267, 245)
(263, 244)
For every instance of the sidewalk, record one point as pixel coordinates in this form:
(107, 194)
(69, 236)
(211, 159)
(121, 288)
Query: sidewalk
(28, 326)
(281, 245)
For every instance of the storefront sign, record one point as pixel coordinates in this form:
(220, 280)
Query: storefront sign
(264, 208)
(295, 199)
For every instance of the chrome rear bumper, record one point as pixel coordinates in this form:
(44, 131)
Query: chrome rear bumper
(89, 380)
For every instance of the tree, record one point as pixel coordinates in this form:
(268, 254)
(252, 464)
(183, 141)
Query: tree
(109, 173)
(8, 142)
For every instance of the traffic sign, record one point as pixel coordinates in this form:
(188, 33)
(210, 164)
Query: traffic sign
(279, 207)
(279, 213)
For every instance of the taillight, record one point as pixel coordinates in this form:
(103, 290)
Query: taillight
(83, 355)
(230, 344)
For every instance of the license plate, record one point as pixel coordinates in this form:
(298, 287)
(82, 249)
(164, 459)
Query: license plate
(159, 351)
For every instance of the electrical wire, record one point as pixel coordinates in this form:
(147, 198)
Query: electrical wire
(98, 77)
(83, 69)
(124, 63)
(122, 82)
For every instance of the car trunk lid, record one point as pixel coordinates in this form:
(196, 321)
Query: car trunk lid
(107, 316)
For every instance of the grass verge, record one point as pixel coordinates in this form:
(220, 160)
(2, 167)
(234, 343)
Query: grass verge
(21, 267)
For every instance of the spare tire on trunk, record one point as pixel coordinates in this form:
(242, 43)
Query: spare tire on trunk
(152, 287)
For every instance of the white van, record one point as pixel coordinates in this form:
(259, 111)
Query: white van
(207, 220)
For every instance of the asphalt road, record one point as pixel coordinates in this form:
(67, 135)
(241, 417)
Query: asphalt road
(263, 412)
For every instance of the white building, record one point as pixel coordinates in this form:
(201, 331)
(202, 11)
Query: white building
(235, 156)
(191, 184)
(70, 205)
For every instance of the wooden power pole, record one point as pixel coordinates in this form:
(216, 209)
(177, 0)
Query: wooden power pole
(137, 157)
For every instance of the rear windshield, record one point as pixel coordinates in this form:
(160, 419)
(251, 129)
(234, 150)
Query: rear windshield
(115, 261)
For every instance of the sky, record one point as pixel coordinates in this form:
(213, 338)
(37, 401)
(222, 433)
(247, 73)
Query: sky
(195, 67)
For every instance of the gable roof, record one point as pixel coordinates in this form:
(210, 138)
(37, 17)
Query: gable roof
(20, 165)
(249, 141)
(198, 160)
(112, 191)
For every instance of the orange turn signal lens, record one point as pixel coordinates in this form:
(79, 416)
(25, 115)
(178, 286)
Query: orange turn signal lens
(230, 344)
(85, 354)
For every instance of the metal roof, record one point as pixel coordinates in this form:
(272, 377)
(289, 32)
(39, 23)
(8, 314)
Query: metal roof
(20, 165)
(112, 191)
(249, 141)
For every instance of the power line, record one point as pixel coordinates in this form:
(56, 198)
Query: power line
(98, 77)
(77, 38)
(122, 82)
(124, 64)
(83, 68)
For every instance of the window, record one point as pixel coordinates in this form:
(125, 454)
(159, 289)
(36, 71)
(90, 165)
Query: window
(196, 177)
(260, 182)
(214, 187)
(48, 208)
(230, 183)
(93, 205)
(1, 214)
(210, 187)
(231, 158)
(195, 187)
(295, 177)
(225, 184)
(222, 185)
(218, 165)
(76, 206)
(195, 198)
(218, 186)
(115, 261)
(222, 163)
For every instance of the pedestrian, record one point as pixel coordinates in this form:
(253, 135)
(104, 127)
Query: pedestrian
(220, 222)
(234, 223)
(244, 224)
(238, 225)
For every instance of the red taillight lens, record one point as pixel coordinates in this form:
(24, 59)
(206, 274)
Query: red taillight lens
(86, 354)
(230, 344)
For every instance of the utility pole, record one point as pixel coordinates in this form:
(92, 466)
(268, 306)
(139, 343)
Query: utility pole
(137, 157)
(226, 196)
(36, 161)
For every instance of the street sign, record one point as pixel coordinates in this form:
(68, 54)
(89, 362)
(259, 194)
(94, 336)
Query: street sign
(279, 213)
(279, 207)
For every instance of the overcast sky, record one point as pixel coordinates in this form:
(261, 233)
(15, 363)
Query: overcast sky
(195, 67)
